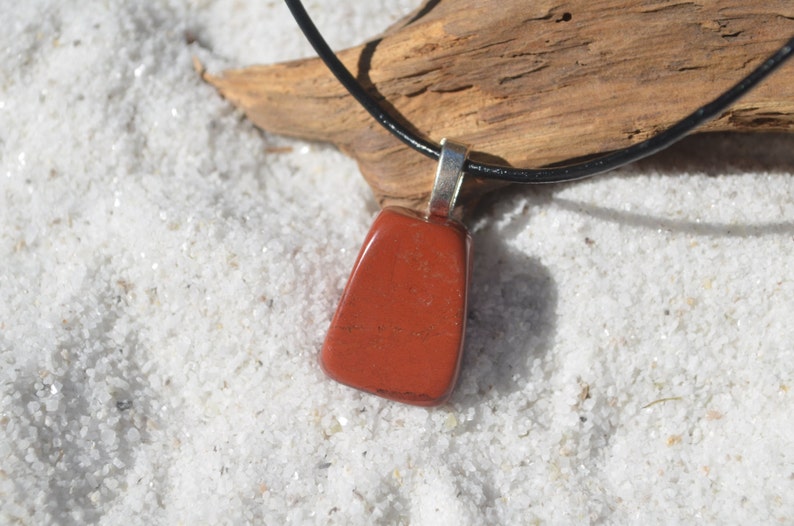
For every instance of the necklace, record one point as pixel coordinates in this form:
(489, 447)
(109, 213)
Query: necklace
(398, 330)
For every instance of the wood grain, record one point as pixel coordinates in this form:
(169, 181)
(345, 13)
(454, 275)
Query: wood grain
(530, 83)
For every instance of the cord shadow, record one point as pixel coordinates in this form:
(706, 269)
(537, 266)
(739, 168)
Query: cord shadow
(676, 225)
(363, 78)
(423, 11)
(713, 154)
(723, 153)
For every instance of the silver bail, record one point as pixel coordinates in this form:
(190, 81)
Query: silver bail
(449, 176)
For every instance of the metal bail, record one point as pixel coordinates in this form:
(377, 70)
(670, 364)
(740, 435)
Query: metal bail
(449, 176)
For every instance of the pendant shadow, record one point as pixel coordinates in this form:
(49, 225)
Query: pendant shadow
(513, 298)
(511, 319)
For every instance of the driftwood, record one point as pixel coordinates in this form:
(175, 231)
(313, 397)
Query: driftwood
(529, 82)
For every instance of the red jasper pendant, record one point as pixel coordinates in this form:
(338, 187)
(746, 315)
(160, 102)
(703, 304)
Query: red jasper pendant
(398, 331)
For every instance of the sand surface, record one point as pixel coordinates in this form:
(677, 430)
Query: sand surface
(167, 274)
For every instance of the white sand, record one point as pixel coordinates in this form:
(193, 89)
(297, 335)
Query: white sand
(166, 284)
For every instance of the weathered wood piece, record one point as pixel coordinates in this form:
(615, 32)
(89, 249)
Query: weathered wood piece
(530, 82)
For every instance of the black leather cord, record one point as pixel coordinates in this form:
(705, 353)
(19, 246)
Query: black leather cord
(554, 174)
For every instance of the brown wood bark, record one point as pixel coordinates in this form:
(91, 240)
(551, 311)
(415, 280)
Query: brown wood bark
(529, 82)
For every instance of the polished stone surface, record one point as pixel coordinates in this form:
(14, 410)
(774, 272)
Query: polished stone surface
(398, 331)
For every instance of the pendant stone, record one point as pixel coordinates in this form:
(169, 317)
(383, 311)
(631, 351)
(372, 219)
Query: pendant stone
(398, 331)
(399, 328)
